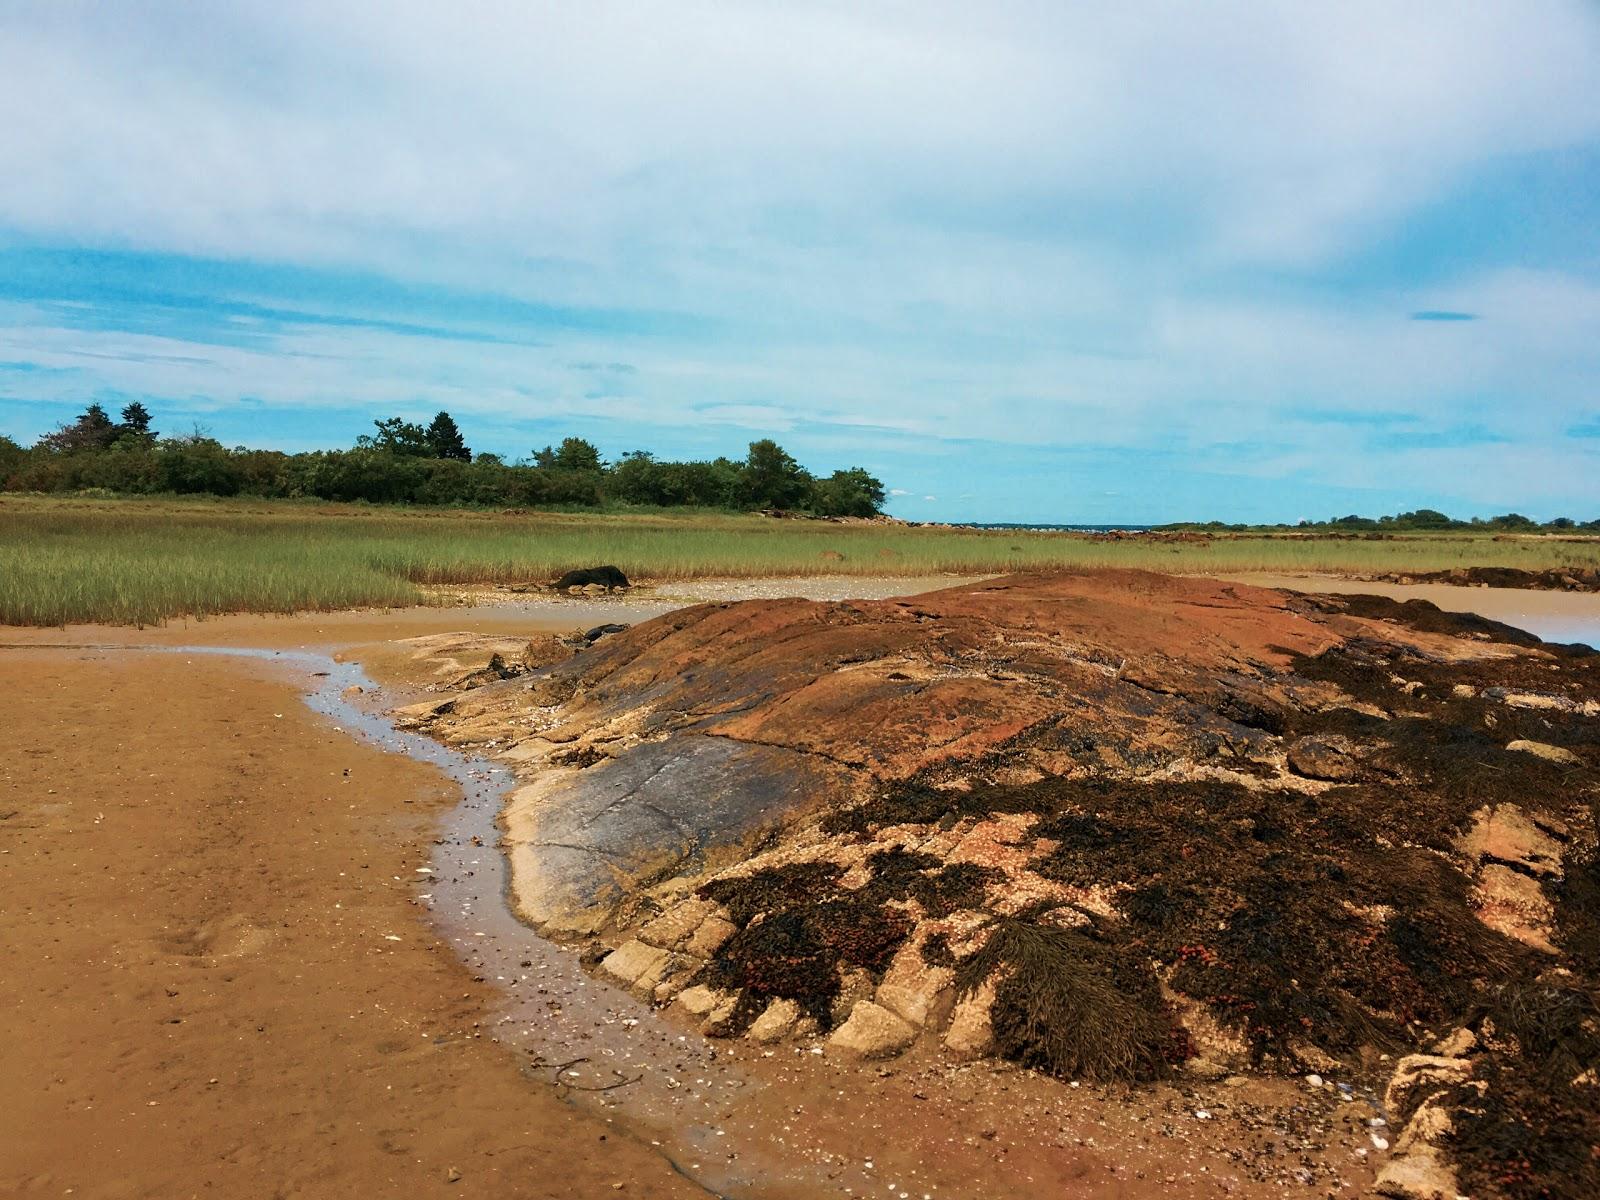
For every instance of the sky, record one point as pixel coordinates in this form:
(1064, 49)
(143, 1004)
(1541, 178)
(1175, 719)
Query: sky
(1024, 261)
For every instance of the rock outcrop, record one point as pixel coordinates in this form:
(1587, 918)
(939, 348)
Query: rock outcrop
(1109, 824)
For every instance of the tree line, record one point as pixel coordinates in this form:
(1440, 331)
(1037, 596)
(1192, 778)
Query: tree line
(1421, 520)
(404, 462)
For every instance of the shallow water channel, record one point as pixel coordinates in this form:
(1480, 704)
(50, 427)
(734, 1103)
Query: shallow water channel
(661, 1082)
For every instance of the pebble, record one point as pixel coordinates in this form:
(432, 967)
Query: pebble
(1314, 1081)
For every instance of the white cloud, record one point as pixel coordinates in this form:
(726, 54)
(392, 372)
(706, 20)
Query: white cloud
(547, 130)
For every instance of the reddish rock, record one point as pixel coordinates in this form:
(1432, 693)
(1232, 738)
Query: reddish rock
(1515, 905)
(1327, 758)
(1506, 834)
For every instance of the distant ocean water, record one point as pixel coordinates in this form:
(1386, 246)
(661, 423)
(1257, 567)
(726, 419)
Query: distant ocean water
(1563, 629)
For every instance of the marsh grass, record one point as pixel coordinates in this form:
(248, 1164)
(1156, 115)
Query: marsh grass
(141, 561)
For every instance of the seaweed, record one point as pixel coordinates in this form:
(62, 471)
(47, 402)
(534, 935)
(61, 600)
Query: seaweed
(1162, 908)
(958, 886)
(771, 890)
(936, 951)
(860, 933)
(1281, 910)
(1286, 967)
(796, 954)
(919, 802)
(896, 871)
(1528, 1127)
(1422, 616)
(781, 956)
(1577, 899)
(941, 890)
(798, 927)
(1071, 1005)
(1455, 702)
(1524, 1142)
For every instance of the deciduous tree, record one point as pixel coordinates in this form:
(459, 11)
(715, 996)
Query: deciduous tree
(93, 430)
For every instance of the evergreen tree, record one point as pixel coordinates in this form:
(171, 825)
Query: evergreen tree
(136, 420)
(446, 439)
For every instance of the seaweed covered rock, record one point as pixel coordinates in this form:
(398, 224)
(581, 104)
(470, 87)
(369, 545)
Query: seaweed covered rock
(1111, 825)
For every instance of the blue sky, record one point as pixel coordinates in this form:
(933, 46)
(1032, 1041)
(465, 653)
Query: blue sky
(1024, 261)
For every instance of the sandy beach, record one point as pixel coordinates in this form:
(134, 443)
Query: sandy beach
(216, 982)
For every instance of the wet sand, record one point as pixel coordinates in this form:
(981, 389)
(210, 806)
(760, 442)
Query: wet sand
(215, 977)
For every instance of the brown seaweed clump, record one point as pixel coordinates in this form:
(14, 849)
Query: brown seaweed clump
(1074, 1005)
(1527, 1125)
(799, 929)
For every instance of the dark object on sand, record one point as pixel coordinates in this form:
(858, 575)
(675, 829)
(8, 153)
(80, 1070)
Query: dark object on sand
(600, 631)
(607, 577)
(497, 669)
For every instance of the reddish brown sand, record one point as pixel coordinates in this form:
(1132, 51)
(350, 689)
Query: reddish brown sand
(199, 992)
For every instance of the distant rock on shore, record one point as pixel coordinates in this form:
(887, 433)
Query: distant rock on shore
(1555, 579)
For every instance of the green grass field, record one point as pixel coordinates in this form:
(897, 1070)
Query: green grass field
(141, 561)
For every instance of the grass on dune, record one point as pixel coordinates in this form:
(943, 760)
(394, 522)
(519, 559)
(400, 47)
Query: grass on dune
(141, 561)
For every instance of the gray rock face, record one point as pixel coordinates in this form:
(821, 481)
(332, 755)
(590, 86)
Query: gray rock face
(654, 810)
